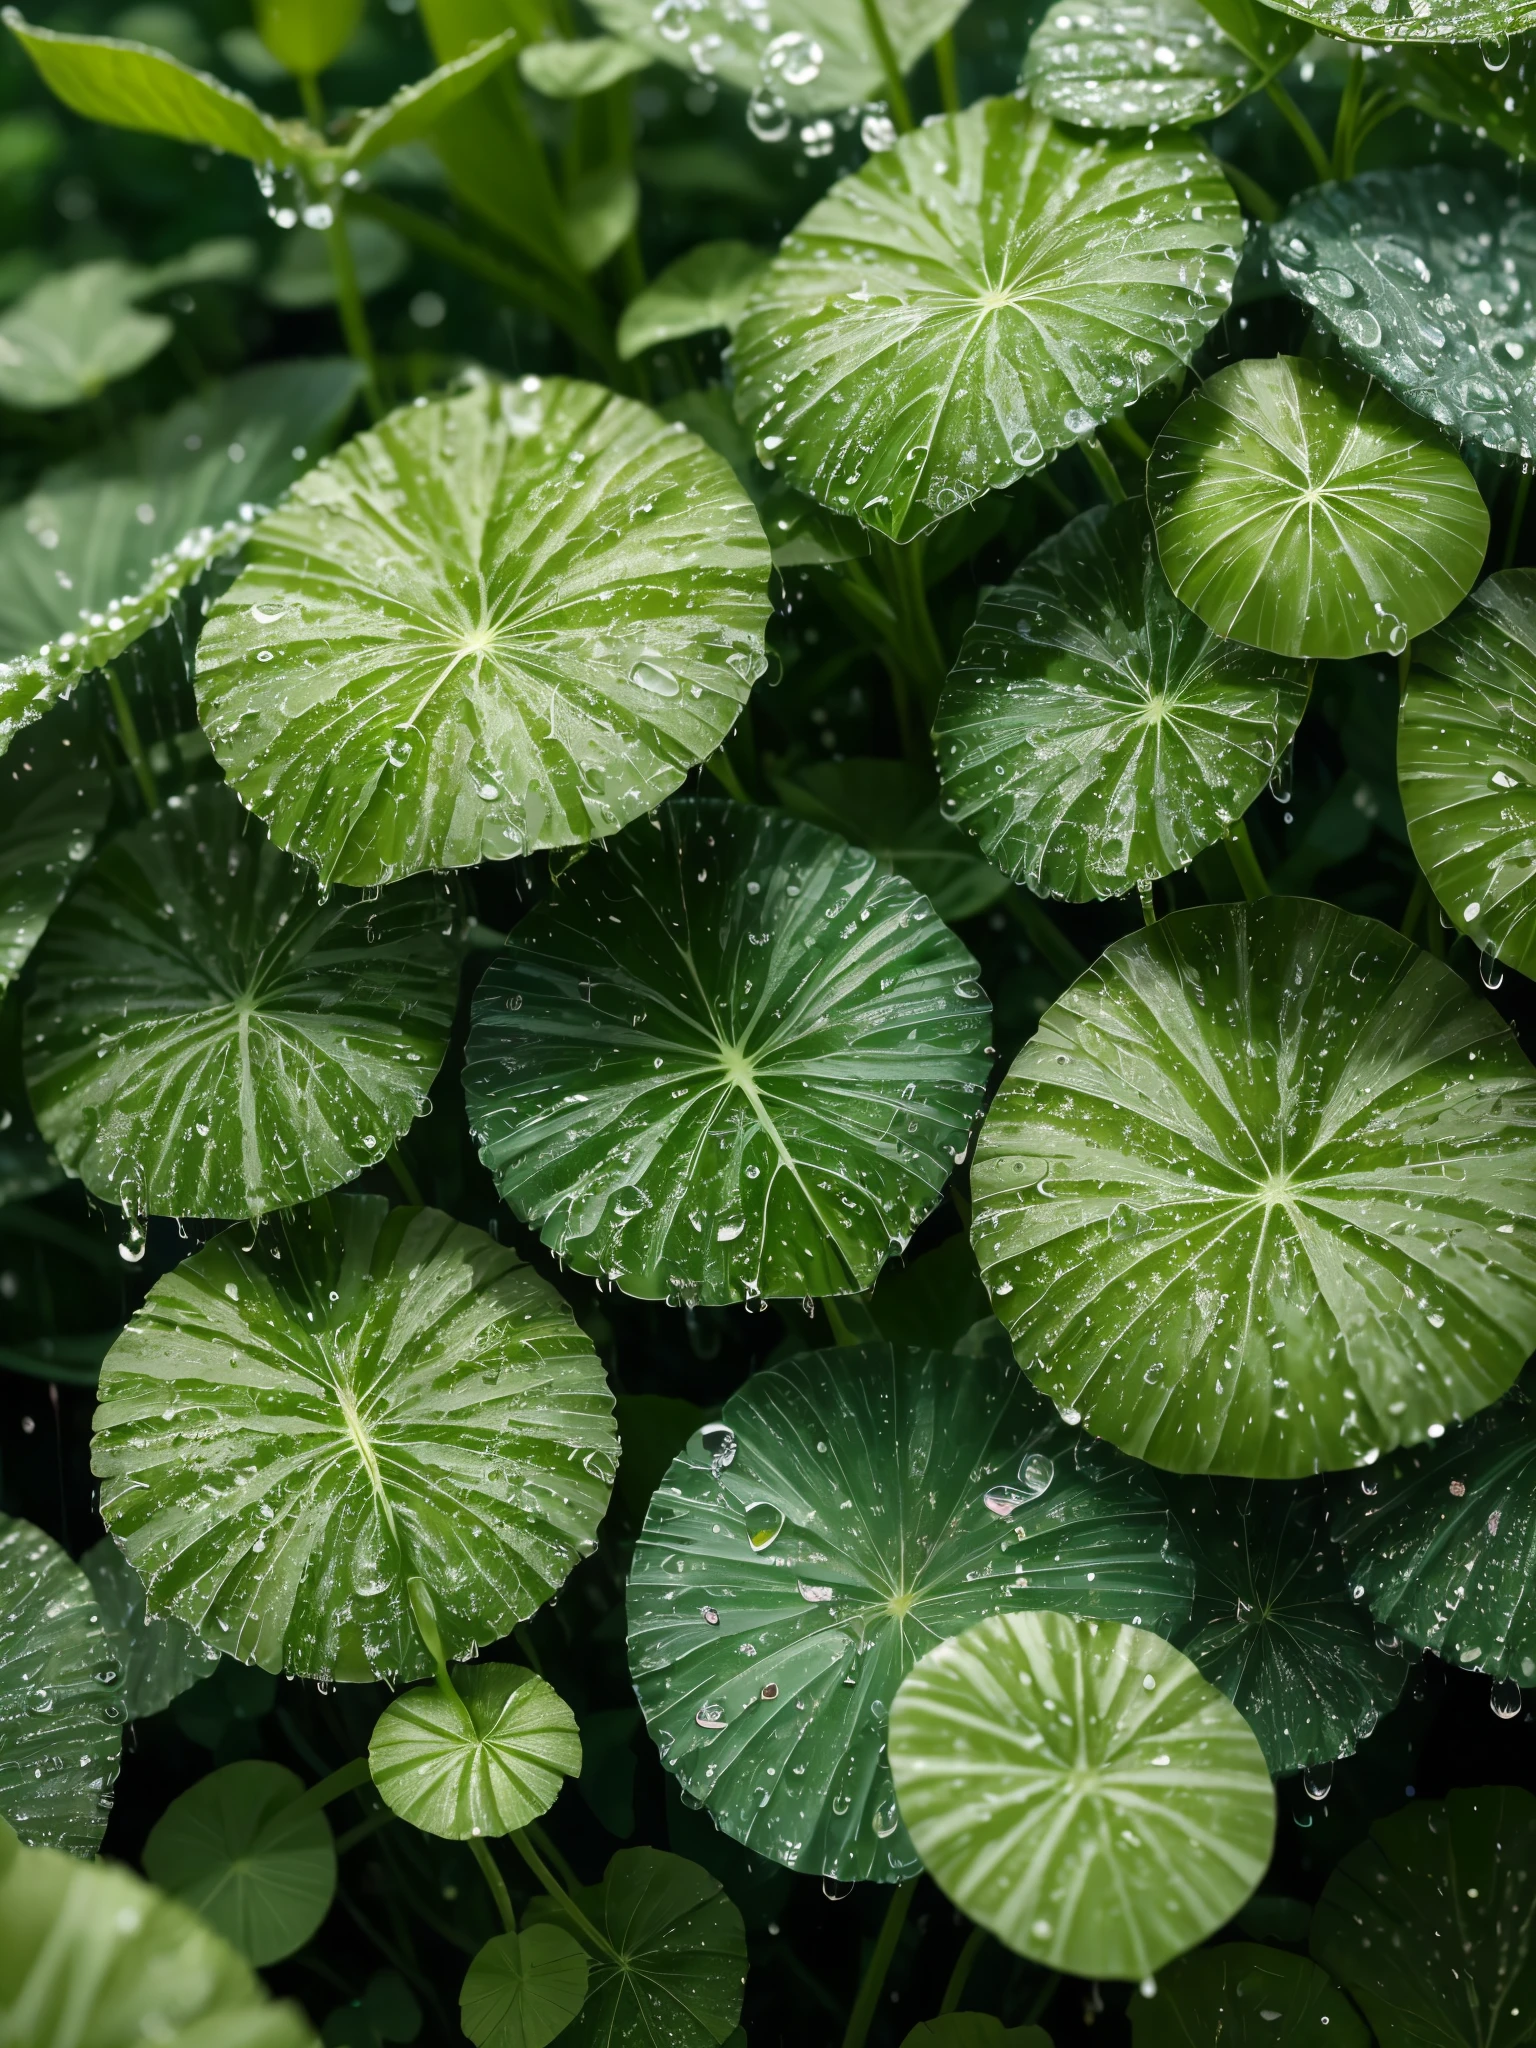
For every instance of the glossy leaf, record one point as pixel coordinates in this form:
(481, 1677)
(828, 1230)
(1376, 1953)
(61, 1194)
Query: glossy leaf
(207, 1037)
(307, 36)
(61, 1708)
(259, 1869)
(1152, 63)
(489, 1774)
(416, 109)
(849, 1510)
(1455, 85)
(54, 797)
(1255, 1197)
(1300, 508)
(443, 1417)
(1241, 1995)
(573, 70)
(160, 1657)
(1078, 1789)
(523, 659)
(730, 1058)
(983, 295)
(707, 288)
(1414, 21)
(1094, 734)
(523, 1989)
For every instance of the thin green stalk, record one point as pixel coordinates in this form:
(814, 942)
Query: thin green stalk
(1317, 156)
(313, 103)
(1044, 481)
(1245, 861)
(1148, 904)
(1041, 929)
(850, 1319)
(719, 765)
(1516, 519)
(948, 72)
(562, 1898)
(964, 1963)
(349, 306)
(1128, 437)
(364, 1830)
(405, 1178)
(496, 1884)
(1103, 468)
(551, 1854)
(1345, 136)
(1418, 903)
(900, 567)
(879, 1965)
(133, 746)
(885, 50)
(350, 1778)
(1250, 191)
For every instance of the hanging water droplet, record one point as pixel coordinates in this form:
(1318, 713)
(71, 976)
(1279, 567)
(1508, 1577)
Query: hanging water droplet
(1489, 971)
(1317, 1780)
(1280, 776)
(1505, 1699)
(836, 1888)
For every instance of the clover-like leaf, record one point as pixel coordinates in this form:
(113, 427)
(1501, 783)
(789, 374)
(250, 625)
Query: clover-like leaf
(1427, 1924)
(1078, 1789)
(1094, 734)
(1457, 85)
(483, 1763)
(707, 288)
(54, 798)
(160, 1657)
(1256, 1197)
(1300, 508)
(851, 1509)
(304, 1416)
(564, 613)
(523, 1989)
(729, 1058)
(207, 1036)
(1244, 1995)
(983, 295)
(1416, 21)
(1153, 63)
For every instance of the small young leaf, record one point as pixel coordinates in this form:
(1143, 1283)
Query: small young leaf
(75, 333)
(707, 288)
(54, 796)
(601, 215)
(524, 1989)
(485, 1775)
(416, 109)
(160, 1656)
(1245, 1996)
(574, 70)
(1150, 63)
(307, 36)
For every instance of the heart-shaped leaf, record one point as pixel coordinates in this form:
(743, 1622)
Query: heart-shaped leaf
(1459, 87)
(524, 1989)
(1215, 1203)
(730, 1058)
(54, 797)
(1094, 734)
(985, 294)
(258, 1867)
(1300, 508)
(1078, 1789)
(851, 1509)
(487, 1762)
(1152, 63)
(707, 288)
(1416, 21)
(565, 612)
(307, 1414)
(1427, 1923)
(160, 1657)
(1243, 1995)
(208, 1037)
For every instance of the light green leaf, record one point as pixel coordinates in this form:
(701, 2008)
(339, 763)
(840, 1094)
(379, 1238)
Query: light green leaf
(1241, 1995)
(416, 109)
(442, 1417)
(849, 1510)
(992, 1738)
(236, 1849)
(566, 613)
(524, 1989)
(302, 276)
(160, 1658)
(1256, 1197)
(601, 214)
(54, 797)
(707, 288)
(1457, 86)
(307, 36)
(1427, 1924)
(1300, 508)
(1094, 734)
(61, 1707)
(208, 1037)
(987, 293)
(575, 70)
(483, 1764)
(1152, 63)
(974, 2030)
(800, 532)
(75, 333)
(1414, 21)
(729, 1058)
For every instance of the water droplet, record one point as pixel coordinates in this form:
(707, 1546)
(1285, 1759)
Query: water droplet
(1317, 1780)
(710, 1715)
(1036, 1473)
(764, 1521)
(1505, 1699)
(720, 1445)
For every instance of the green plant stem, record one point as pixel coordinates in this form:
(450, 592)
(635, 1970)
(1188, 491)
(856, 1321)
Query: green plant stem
(1317, 156)
(719, 765)
(1345, 128)
(850, 1319)
(133, 746)
(350, 1778)
(405, 1178)
(551, 1855)
(1148, 903)
(948, 72)
(1041, 929)
(1103, 468)
(311, 100)
(1418, 903)
(1128, 437)
(1044, 481)
(879, 1964)
(349, 306)
(900, 567)
(1246, 862)
(365, 1830)
(1516, 520)
(964, 1963)
(496, 1884)
(562, 1898)
(1252, 194)
(885, 50)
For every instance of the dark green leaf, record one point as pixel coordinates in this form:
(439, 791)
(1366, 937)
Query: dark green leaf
(524, 1989)
(160, 1657)
(1152, 63)
(54, 797)
(1458, 87)
(974, 2030)
(1242, 1996)
(482, 1765)
(707, 288)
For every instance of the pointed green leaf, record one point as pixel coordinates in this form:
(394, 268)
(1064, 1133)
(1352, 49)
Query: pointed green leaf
(306, 1415)
(1078, 1789)
(1416, 21)
(258, 1870)
(944, 322)
(61, 1708)
(75, 333)
(1152, 63)
(307, 36)
(707, 288)
(566, 613)
(1256, 1197)
(1094, 734)
(524, 1989)
(1242, 1995)
(574, 70)
(1300, 508)
(601, 214)
(160, 1657)
(483, 1764)
(54, 797)
(1457, 86)
(730, 1058)
(849, 1510)
(415, 110)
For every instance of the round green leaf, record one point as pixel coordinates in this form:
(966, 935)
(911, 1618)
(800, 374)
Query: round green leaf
(1242, 1995)
(1094, 733)
(54, 797)
(1417, 21)
(60, 1699)
(1275, 1625)
(482, 1765)
(985, 294)
(729, 1058)
(208, 1036)
(1427, 1923)
(1151, 63)
(1256, 1198)
(160, 1656)
(1466, 765)
(563, 613)
(1078, 1789)
(851, 1509)
(307, 1414)
(235, 1849)
(1300, 508)
(524, 1989)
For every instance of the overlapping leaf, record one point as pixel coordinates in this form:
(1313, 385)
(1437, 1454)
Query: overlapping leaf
(487, 1762)
(1153, 63)
(1416, 21)
(54, 797)
(1457, 85)
(160, 1657)
(523, 1989)
(1241, 1995)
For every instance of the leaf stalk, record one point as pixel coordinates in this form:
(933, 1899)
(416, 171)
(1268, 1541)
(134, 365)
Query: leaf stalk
(876, 1971)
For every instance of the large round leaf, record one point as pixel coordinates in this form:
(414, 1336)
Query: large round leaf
(54, 795)
(482, 1764)
(1242, 1995)
(60, 1698)
(236, 1849)
(1416, 21)
(1256, 1198)
(1300, 508)
(983, 295)
(210, 1035)
(1427, 1923)
(850, 1510)
(307, 1414)
(1077, 1788)
(729, 1058)
(1275, 1626)
(1094, 733)
(497, 622)
(524, 1989)
(1466, 765)
(160, 1656)
(1153, 63)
